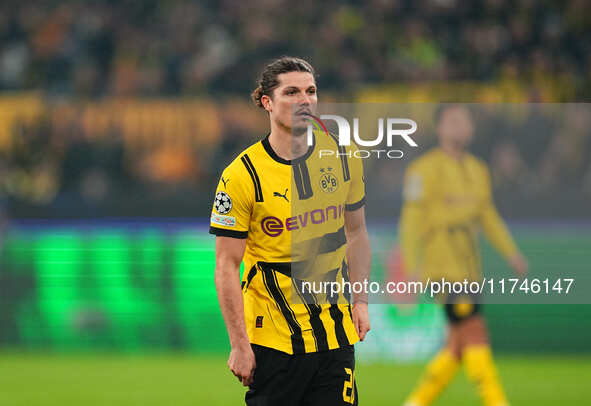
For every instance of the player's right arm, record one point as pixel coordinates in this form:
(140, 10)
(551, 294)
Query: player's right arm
(228, 256)
(230, 220)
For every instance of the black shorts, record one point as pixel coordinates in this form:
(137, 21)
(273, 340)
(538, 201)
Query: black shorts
(461, 307)
(324, 378)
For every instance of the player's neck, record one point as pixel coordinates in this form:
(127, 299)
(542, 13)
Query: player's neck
(286, 145)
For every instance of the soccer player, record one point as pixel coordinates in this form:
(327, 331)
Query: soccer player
(291, 351)
(447, 200)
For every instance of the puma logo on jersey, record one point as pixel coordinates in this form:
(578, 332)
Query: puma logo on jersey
(284, 195)
(225, 181)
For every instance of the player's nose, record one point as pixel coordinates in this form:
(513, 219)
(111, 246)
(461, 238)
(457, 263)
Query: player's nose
(305, 100)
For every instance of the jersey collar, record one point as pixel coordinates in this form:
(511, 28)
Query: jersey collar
(272, 154)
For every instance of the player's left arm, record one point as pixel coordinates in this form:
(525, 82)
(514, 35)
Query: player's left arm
(358, 246)
(359, 259)
(498, 234)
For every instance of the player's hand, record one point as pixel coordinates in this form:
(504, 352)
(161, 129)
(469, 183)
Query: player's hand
(242, 363)
(518, 263)
(361, 319)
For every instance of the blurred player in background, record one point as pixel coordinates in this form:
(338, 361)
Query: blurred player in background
(447, 200)
(290, 353)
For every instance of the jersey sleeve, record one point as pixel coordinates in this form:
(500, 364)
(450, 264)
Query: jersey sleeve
(232, 204)
(356, 194)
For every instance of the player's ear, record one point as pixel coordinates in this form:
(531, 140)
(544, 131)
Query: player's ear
(267, 102)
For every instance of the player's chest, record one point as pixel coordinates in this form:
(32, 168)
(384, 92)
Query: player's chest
(299, 187)
(459, 184)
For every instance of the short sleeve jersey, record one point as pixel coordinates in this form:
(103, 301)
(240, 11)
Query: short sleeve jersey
(278, 205)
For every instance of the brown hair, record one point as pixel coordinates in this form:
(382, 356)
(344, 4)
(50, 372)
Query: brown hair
(268, 80)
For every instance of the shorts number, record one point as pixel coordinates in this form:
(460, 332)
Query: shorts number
(349, 397)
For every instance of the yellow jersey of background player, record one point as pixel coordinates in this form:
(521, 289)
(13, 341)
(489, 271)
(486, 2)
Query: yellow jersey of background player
(447, 201)
(278, 205)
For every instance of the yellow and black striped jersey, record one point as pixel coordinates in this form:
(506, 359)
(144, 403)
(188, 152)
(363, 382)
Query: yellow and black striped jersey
(288, 210)
(446, 202)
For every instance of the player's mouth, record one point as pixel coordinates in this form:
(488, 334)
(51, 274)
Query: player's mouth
(304, 113)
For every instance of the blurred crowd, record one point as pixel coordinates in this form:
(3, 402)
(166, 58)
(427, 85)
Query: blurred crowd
(56, 166)
(539, 157)
(209, 47)
(178, 51)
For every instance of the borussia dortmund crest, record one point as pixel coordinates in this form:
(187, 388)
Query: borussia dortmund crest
(328, 181)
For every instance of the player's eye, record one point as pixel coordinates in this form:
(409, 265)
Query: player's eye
(291, 92)
(312, 91)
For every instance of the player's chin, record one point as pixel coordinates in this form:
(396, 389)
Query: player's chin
(299, 124)
(299, 130)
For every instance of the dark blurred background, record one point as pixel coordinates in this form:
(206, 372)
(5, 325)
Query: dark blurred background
(209, 48)
(127, 108)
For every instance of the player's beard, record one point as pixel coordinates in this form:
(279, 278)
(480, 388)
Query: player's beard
(296, 131)
(299, 130)
(298, 143)
(300, 124)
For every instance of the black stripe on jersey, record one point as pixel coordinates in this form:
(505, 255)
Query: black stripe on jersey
(301, 176)
(337, 315)
(306, 178)
(222, 232)
(270, 281)
(345, 275)
(355, 206)
(332, 241)
(339, 329)
(258, 192)
(325, 244)
(251, 274)
(344, 160)
(314, 310)
(281, 267)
